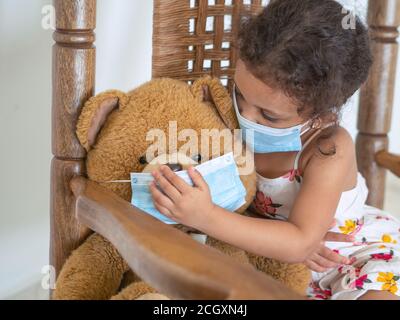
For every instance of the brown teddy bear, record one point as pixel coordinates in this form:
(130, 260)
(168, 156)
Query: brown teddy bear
(113, 128)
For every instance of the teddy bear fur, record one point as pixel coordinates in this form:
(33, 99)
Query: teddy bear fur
(112, 128)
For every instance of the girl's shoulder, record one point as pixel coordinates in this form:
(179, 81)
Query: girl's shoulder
(336, 140)
(332, 141)
(332, 149)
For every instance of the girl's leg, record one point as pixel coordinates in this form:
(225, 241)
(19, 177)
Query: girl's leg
(378, 295)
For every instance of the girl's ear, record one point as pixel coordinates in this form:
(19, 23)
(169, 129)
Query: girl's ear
(316, 123)
(95, 113)
(210, 89)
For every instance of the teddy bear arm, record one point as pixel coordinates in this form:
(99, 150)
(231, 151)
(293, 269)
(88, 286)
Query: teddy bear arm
(296, 276)
(93, 272)
(235, 253)
(137, 290)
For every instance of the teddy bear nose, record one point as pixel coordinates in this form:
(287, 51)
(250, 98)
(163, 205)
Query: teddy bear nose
(174, 166)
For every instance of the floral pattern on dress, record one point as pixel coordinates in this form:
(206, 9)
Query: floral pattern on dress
(317, 293)
(351, 226)
(264, 205)
(358, 283)
(388, 239)
(382, 218)
(382, 256)
(389, 281)
(363, 241)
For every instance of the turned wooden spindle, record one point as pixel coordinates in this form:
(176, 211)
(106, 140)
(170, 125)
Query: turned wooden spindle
(377, 95)
(73, 84)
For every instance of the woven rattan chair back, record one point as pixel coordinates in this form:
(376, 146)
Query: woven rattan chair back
(193, 38)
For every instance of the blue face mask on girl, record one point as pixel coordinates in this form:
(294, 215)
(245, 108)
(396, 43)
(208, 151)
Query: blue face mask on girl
(264, 139)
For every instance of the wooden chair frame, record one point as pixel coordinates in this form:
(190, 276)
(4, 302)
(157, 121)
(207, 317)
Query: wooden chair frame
(152, 249)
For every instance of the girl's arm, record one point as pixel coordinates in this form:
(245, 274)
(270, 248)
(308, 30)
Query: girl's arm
(291, 241)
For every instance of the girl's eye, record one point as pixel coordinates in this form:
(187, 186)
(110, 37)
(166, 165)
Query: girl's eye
(268, 117)
(238, 93)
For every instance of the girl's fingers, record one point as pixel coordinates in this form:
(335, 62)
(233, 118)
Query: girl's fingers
(333, 256)
(197, 178)
(160, 198)
(338, 237)
(166, 186)
(177, 182)
(164, 211)
(314, 267)
(323, 262)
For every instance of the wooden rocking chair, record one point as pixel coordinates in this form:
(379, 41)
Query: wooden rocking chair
(167, 259)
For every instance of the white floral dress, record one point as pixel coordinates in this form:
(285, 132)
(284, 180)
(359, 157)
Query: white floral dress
(375, 254)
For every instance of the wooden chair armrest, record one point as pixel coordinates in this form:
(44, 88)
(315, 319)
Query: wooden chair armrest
(389, 161)
(166, 258)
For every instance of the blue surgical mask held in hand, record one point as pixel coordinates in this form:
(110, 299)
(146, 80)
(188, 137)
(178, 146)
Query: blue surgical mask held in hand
(221, 175)
(264, 139)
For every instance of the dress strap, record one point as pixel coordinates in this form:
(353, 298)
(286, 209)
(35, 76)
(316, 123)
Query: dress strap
(296, 161)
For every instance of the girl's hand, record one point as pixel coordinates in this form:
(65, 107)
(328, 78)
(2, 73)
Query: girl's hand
(179, 201)
(324, 258)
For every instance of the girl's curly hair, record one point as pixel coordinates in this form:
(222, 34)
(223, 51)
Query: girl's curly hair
(302, 48)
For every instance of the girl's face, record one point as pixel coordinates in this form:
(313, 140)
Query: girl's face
(260, 103)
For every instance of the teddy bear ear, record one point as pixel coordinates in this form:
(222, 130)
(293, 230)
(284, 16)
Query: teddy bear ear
(95, 113)
(210, 89)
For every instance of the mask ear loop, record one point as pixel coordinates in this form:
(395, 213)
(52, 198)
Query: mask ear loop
(113, 181)
(308, 128)
(316, 124)
(319, 122)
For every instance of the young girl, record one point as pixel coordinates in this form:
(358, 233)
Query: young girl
(297, 67)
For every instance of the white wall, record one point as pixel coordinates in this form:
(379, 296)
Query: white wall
(123, 62)
(24, 142)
